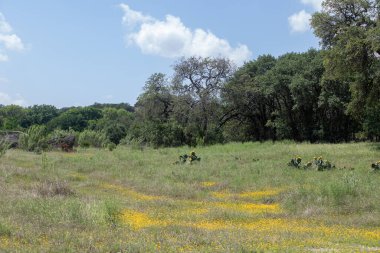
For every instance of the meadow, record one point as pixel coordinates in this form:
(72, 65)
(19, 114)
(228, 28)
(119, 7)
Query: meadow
(241, 197)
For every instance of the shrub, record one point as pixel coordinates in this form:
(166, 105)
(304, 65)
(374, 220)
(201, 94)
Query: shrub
(295, 162)
(321, 164)
(63, 139)
(111, 146)
(188, 158)
(376, 166)
(318, 164)
(89, 138)
(34, 139)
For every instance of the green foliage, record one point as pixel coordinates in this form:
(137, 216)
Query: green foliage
(286, 98)
(90, 138)
(34, 139)
(372, 122)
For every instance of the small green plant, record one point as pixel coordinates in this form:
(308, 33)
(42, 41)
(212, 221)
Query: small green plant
(112, 212)
(295, 162)
(4, 230)
(4, 146)
(376, 166)
(188, 158)
(46, 164)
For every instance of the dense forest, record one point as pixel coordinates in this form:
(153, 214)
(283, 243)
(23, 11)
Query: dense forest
(326, 95)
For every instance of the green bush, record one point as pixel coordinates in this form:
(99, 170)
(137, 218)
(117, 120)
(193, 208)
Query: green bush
(188, 158)
(90, 138)
(34, 139)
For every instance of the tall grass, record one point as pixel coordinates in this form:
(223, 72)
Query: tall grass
(88, 200)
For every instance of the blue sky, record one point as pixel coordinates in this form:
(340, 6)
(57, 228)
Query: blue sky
(77, 52)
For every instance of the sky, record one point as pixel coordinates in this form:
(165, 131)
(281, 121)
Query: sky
(78, 52)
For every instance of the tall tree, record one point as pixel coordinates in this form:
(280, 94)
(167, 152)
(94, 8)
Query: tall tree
(349, 31)
(198, 81)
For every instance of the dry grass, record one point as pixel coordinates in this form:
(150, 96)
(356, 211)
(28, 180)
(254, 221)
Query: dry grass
(54, 188)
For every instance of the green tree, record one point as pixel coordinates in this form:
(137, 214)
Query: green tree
(39, 115)
(349, 31)
(114, 123)
(247, 109)
(75, 118)
(12, 117)
(197, 84)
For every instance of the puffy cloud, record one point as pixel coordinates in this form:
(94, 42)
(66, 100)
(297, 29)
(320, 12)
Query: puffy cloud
(8, 40)
(6, 99)
(316, 4)
(171, 38)
(300, 22)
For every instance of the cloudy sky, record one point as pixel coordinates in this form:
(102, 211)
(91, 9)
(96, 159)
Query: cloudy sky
(77, 52)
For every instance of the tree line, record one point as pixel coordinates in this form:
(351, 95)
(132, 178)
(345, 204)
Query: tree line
(327, 95)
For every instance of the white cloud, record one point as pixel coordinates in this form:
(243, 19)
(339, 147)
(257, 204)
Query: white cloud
(12, 42)
(6, 99)
(4, 26)
(3, 57)
(132, 18)
(300, 22)
(171, 38)
(316, 4)
(8, 40)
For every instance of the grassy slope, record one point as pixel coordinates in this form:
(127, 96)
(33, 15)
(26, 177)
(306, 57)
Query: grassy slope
(239, 198)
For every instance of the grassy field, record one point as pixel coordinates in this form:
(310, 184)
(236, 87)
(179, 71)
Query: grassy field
(239, 198)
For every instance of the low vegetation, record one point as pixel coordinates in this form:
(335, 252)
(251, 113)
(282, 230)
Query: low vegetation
(238, 198)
